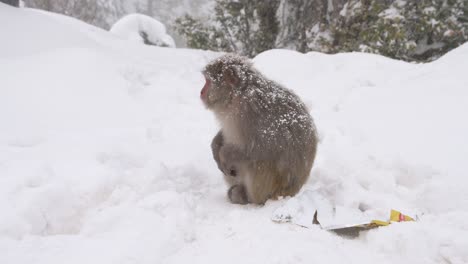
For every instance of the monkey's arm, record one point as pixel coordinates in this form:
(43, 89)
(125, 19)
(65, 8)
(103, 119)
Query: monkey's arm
(216, 145)
(232, 153)
(227, 157)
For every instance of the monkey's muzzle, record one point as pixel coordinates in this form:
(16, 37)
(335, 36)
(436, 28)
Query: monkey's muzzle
(204, 91)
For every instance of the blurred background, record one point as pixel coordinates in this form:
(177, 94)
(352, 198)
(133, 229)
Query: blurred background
(409, 30)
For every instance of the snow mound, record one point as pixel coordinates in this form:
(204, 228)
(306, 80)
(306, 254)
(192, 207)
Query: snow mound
(143, 29)
(105, 153)
(21, 40)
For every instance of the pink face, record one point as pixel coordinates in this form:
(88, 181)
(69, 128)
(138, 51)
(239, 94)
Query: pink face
(204, 91)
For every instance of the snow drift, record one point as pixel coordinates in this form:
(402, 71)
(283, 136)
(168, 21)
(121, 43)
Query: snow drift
(143, 29)
(105, 158)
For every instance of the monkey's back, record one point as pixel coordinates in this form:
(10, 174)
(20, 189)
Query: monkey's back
(281, 135)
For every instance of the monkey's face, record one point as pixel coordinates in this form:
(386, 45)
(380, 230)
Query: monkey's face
(215, 94)
(224, 81)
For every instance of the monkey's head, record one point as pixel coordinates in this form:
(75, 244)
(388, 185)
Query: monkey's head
(225, 79)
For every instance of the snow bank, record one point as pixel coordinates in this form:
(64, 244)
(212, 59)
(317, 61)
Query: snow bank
(104, 153)
(27, 31)
(143, 29)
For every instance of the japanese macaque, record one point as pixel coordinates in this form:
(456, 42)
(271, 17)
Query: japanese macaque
(267, 143)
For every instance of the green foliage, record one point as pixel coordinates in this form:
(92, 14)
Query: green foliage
(413, 30)
(199, 36)
(435, 27)
(267, 33)
(405, 29)
(246, 27)
(371, 28)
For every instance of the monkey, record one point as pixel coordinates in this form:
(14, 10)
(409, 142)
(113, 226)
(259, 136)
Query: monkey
(267, 143)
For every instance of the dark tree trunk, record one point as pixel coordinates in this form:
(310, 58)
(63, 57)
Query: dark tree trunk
(11, 2)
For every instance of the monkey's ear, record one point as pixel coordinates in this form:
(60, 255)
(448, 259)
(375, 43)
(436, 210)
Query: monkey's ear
(231, 77)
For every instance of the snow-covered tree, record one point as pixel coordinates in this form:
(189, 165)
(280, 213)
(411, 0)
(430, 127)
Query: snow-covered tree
(200, 36)
(303, 23)
(243, 26)
(403, 29)
(10, 2)
(409, 30)
(101, 13)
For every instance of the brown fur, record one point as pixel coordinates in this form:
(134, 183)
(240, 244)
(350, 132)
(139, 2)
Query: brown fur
(267, 143)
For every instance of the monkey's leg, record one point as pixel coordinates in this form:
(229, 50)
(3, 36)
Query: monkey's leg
(237, 194)
(262, 182)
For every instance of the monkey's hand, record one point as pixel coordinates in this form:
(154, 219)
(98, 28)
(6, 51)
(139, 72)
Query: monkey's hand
(216, 145)
(230, 158)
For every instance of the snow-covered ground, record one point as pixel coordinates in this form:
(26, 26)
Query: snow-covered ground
(105, 158)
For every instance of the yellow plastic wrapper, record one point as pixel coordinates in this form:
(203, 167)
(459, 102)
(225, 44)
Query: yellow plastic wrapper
(353, 229)
(396, 216)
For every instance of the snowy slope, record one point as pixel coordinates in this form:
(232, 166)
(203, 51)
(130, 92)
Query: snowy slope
(104, 153)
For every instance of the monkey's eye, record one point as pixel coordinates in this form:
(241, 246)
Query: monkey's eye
(208, 78)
